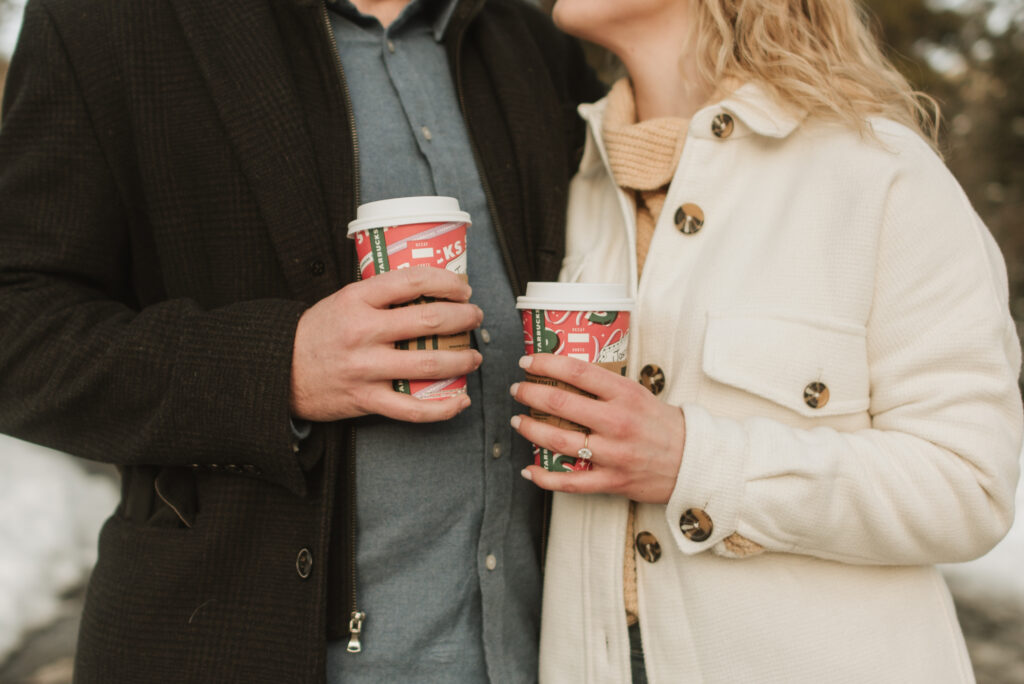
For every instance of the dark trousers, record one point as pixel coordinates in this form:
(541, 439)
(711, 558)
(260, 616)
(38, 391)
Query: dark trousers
(636, 655)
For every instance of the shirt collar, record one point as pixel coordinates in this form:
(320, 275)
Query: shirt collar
(442, 11)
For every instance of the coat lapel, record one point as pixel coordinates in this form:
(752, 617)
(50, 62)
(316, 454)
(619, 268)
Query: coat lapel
(238, 50)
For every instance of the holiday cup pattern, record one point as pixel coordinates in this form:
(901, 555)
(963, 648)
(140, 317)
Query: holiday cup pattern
(436, 244)
(600, 337)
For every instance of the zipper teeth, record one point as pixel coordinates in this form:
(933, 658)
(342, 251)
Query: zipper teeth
(352, 511)
(340, 72)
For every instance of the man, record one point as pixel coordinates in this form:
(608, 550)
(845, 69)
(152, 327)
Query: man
(176, 179)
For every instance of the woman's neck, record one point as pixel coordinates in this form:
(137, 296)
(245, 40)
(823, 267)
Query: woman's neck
(665, 82)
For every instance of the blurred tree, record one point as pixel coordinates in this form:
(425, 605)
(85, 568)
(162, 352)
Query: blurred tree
(972, 62)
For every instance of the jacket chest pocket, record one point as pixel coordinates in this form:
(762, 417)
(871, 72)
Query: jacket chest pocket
(812, 368)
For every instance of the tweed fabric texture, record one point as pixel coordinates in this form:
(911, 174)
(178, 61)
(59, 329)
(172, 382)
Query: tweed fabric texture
(174, 191)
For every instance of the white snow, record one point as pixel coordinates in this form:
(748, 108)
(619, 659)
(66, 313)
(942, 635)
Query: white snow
(10, 24)
(51, 511)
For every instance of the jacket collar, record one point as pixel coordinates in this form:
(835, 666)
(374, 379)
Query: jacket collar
(750, 104)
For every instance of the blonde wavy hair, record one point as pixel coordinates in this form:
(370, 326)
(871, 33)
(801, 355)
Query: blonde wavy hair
(817, 55)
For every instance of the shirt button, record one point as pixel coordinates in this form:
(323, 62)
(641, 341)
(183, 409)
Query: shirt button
(696, 524)
(316, 267)
(491, 561)
(689, 219)
(653, 378)
(496, 450)
(816, 395)
(427, 135)
(648, 547)
(391, 46)
(722, 125)
(485, 335)
(304, 563)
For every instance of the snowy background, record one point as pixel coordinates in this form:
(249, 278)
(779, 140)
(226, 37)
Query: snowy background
(51, 510)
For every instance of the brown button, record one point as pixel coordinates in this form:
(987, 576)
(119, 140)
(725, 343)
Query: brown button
(689, 219)
(722, 125)
(304, 563)
(648, 547)
(816, 395)
(696, 525)
(232, 468)
(317, 267)
(653, 378)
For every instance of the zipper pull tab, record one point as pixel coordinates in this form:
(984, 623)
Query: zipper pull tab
(355, 628)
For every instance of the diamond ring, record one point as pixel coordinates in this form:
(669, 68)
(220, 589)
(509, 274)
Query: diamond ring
(585, 452)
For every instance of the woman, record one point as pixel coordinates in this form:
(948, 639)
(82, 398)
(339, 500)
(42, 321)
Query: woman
(827, 403)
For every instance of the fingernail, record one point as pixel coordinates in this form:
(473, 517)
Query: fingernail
(525, 361)
(515, 421)
(527, 475)
(513, 389)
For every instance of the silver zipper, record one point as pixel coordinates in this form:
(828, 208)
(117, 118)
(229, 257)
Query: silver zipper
(355, 623)
(355, 628)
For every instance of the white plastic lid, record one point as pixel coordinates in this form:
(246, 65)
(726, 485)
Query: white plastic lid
(575, 297)
(405, 210)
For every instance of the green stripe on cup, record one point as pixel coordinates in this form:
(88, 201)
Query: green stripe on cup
(379, 249)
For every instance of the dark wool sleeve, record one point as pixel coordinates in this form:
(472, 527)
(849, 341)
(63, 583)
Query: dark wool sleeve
(83, 366)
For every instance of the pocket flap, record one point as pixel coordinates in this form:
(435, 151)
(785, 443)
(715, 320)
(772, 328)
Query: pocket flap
(815, 368)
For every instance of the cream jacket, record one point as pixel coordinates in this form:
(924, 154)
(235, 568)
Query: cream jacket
(824, 257)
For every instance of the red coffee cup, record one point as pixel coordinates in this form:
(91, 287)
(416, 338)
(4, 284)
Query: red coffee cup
(587, 321)
(415, 231)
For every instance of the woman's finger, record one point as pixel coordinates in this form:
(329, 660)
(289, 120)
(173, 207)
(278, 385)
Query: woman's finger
(560, 440)
(561, 403)
(579, 482)
(588, 377)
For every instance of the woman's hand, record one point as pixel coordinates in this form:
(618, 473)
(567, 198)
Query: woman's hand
(636, 440)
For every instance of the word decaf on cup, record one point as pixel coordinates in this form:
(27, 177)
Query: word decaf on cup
(586, 321)
(416, 231)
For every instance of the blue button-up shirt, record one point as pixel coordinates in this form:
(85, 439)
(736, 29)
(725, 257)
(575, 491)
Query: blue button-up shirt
(446, 549)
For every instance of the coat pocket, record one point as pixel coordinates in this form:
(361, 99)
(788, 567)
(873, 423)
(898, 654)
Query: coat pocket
(816, 368)
(160, 496)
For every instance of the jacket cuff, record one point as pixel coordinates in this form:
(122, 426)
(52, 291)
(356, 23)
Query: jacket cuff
(231, 385)
(703, 509)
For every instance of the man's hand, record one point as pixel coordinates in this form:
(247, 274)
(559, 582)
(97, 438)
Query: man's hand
(344, 359)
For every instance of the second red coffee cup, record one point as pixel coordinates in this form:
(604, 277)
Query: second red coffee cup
(587, 321)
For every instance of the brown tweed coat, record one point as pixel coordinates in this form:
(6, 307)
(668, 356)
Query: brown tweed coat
(176, 177)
